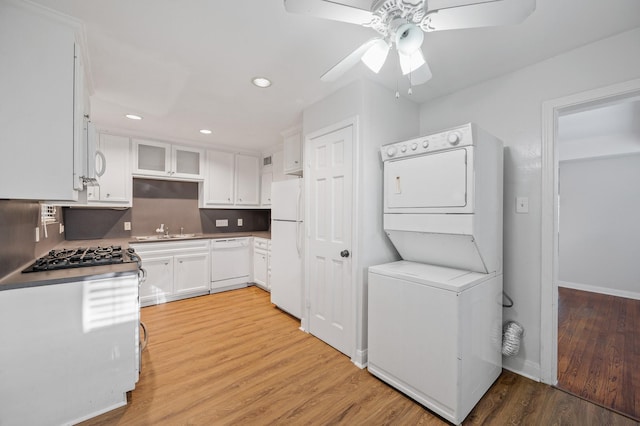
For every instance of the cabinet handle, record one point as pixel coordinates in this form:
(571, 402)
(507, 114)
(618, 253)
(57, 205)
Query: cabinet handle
(296, 161)
(239, 199)
(108, 195)
(166, 264)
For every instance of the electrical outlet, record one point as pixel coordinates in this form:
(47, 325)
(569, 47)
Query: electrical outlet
(127, 226)
(38, 234)
(222, 222)
(239, 222)
(61, 229)
(522, 205)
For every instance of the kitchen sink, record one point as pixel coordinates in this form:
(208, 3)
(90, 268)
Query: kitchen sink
(164, 237)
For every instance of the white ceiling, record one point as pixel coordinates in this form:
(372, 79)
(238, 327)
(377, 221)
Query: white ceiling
(187, 65)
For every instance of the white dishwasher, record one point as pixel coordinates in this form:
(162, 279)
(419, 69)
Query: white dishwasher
(230, 263)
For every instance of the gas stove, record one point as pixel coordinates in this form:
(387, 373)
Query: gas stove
(83, 257)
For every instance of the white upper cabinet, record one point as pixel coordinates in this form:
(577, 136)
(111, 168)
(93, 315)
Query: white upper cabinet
(232, 180)
(218, 186)
(247, 180)
(42, 107)
(161, 159)
(115, 183)
(293, 151)
(265, 189)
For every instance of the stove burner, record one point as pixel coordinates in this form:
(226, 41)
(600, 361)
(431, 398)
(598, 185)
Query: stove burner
(82, 257)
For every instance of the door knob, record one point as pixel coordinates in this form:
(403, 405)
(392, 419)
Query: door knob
(344, 253)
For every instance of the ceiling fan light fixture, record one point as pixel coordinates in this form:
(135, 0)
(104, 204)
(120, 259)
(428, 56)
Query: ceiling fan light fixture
(409, 38)
(410, 63)
(376, 55)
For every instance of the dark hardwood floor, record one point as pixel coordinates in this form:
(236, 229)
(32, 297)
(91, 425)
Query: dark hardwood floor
(599, 349)
(234, 359)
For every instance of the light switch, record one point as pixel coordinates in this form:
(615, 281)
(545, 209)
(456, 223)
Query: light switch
(239, 221)
(127, 226)
(522, 205)
(222, 222)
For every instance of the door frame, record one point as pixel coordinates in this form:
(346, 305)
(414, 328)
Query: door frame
(304, 325)
(551, 110)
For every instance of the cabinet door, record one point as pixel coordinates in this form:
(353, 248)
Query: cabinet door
(159, 283)
(187, 162)
(260, 267)
(269, 268)
(191, 274)
(218, 184)
(152, 158)
(265, 189)
(37, 126)
(247, 180)
(293, 154)
(115, 183)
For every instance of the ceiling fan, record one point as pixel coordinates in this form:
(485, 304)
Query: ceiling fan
(403, 23)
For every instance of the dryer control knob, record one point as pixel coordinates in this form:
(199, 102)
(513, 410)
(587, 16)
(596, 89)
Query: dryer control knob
(414, 146)
(391, 151)
(454, 138)
(403, 148)
(425, 144)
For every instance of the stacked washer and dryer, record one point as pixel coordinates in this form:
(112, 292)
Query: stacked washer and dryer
(435, 317)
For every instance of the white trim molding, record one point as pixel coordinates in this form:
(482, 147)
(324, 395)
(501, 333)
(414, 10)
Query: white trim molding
(600, 290)
(549, 211)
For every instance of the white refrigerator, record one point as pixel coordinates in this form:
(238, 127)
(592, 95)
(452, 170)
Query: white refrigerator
(287, 245)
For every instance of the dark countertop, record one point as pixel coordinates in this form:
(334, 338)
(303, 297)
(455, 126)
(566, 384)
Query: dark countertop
(17, 279)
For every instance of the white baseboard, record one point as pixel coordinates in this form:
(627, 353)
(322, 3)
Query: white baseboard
(601, 290)
(530, 370)
(360, 359)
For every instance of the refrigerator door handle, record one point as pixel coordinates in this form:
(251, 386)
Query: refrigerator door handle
(298, 218)
(298, 237)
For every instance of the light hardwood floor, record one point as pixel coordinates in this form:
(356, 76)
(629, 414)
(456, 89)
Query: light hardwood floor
(234, 359)
(599, 349)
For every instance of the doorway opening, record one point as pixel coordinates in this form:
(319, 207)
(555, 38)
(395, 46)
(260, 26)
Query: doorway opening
(590, 246)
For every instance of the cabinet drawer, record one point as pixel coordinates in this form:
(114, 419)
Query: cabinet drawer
(260, 243)
(170, 246)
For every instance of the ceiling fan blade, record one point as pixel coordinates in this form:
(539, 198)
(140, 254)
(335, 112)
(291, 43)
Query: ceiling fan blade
(410, 63)
(351, 11)
(458, 14)
(420, 75)
(348, 62)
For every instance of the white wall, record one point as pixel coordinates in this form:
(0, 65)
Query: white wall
(510, 108)
(599, 226)
(381, 119)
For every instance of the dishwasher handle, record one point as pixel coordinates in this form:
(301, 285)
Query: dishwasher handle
(231, 243)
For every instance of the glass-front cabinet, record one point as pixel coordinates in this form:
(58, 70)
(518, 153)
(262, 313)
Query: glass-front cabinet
(161, 159)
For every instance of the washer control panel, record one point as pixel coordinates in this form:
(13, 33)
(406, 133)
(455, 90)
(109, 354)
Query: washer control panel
(453, 138)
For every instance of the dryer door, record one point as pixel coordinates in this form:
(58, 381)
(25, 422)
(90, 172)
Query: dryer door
(434, 183)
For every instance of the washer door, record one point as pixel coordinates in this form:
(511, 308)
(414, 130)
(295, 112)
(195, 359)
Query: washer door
(436, 183)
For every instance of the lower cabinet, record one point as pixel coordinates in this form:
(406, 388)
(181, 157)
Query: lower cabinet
(175, 270)
(261, 263)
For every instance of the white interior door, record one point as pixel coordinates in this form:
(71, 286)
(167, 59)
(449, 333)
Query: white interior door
(329, 240)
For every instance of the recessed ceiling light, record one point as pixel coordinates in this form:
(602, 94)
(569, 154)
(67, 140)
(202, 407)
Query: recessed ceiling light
(205, 131)
(261, 82)
(133, 117)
